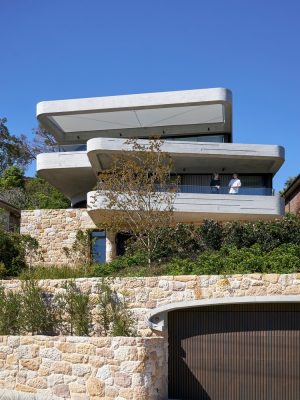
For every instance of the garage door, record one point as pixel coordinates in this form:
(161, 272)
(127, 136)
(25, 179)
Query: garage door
(235, 352)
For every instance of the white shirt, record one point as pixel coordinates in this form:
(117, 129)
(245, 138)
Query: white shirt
(234, 185)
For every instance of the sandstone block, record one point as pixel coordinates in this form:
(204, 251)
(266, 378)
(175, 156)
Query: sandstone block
(25, 388)
(61, 367)
(61, 391)
(67, 347)
(126, 354)
(272, 278)
(55, 379)
(95, 387)
(74, 358)
(122, 380)
(86, 348)
(38, 383)
(104, 373)
(51, 353)
(76, 388)
(32, 364)
(79, 396)
(81, 369)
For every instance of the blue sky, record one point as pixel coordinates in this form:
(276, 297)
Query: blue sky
(63, 49)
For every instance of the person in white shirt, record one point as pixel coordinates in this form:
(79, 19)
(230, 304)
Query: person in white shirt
(234, 184)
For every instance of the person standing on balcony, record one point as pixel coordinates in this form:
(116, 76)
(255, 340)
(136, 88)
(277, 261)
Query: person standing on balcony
(215, 184)
(234, 184)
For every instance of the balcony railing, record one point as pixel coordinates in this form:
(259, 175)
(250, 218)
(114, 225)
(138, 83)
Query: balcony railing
(244, 191)
(66, 147)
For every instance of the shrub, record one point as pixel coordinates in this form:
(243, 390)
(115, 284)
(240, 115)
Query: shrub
(10, 306)
(55, 272)
(232, 260)
(114, 317)
(13, 251)
(134, 261)
(73, 310)
(35, 315)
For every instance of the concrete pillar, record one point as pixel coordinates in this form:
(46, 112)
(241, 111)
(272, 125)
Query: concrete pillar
(111, 247)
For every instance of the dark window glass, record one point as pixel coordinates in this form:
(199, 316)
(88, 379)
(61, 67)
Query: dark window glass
(99, 246)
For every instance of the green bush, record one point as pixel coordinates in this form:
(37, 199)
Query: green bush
(55, 272)
(115, 267)
(35, 315)
(189, 241)
(114, 318)
(73, 310)
(232, 260)
(13, 250)
(10, 306)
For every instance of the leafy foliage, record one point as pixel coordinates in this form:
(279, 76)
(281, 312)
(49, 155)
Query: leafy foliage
(34, 314)
(13, 150)
(231, 260)
(12, 177)
(80, 252)
(290, 180)
(138, 193)
(13, 252)
(114, 317)
(69, 312)
(74, 307)
(55, 272)
(10, 306)
(40, 194)
(190, 241)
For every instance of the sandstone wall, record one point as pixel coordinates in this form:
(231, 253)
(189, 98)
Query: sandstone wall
(82, 368)
(54, 230)
(145, 294)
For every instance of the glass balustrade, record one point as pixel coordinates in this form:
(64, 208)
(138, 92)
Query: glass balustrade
(247, 191)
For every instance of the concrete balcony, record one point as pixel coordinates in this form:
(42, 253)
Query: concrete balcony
(70, 172)
(195, 207)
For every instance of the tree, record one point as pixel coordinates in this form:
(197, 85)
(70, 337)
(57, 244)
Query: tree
(139, 193)
(40, 194)
(12, 177)
(13, 150)
(44, 141)
(287, 184)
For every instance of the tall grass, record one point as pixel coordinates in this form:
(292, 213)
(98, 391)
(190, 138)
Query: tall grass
(56, 272)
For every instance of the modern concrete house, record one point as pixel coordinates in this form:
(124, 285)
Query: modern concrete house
(196, 126)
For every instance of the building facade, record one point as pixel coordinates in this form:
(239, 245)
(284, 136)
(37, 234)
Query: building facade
(9, 216)
(196, 128)
(292, 197)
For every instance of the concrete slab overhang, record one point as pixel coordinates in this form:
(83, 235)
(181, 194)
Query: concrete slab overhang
(204, 111)
(194, 208)
(195, 157)
(69, 172)
(158, 318)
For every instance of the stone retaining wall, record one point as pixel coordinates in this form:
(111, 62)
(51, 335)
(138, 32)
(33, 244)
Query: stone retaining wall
(81, 368)
(145, 294)
(54, 230)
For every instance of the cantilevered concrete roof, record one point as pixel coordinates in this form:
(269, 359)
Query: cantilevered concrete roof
(192, 157)
(204, 111)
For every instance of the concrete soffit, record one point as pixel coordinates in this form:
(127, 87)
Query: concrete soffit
(158, 318)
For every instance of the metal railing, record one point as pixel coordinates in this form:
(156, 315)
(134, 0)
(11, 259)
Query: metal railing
(246, 191)
(62, 148)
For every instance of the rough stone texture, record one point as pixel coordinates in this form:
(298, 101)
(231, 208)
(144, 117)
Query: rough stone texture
(54, 229)
(46, 378)
(144, 294)
(94, 368)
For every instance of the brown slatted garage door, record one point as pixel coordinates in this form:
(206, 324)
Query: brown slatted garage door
(235, 352)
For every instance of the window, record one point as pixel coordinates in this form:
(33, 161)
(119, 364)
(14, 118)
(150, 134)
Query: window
(98, 246)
